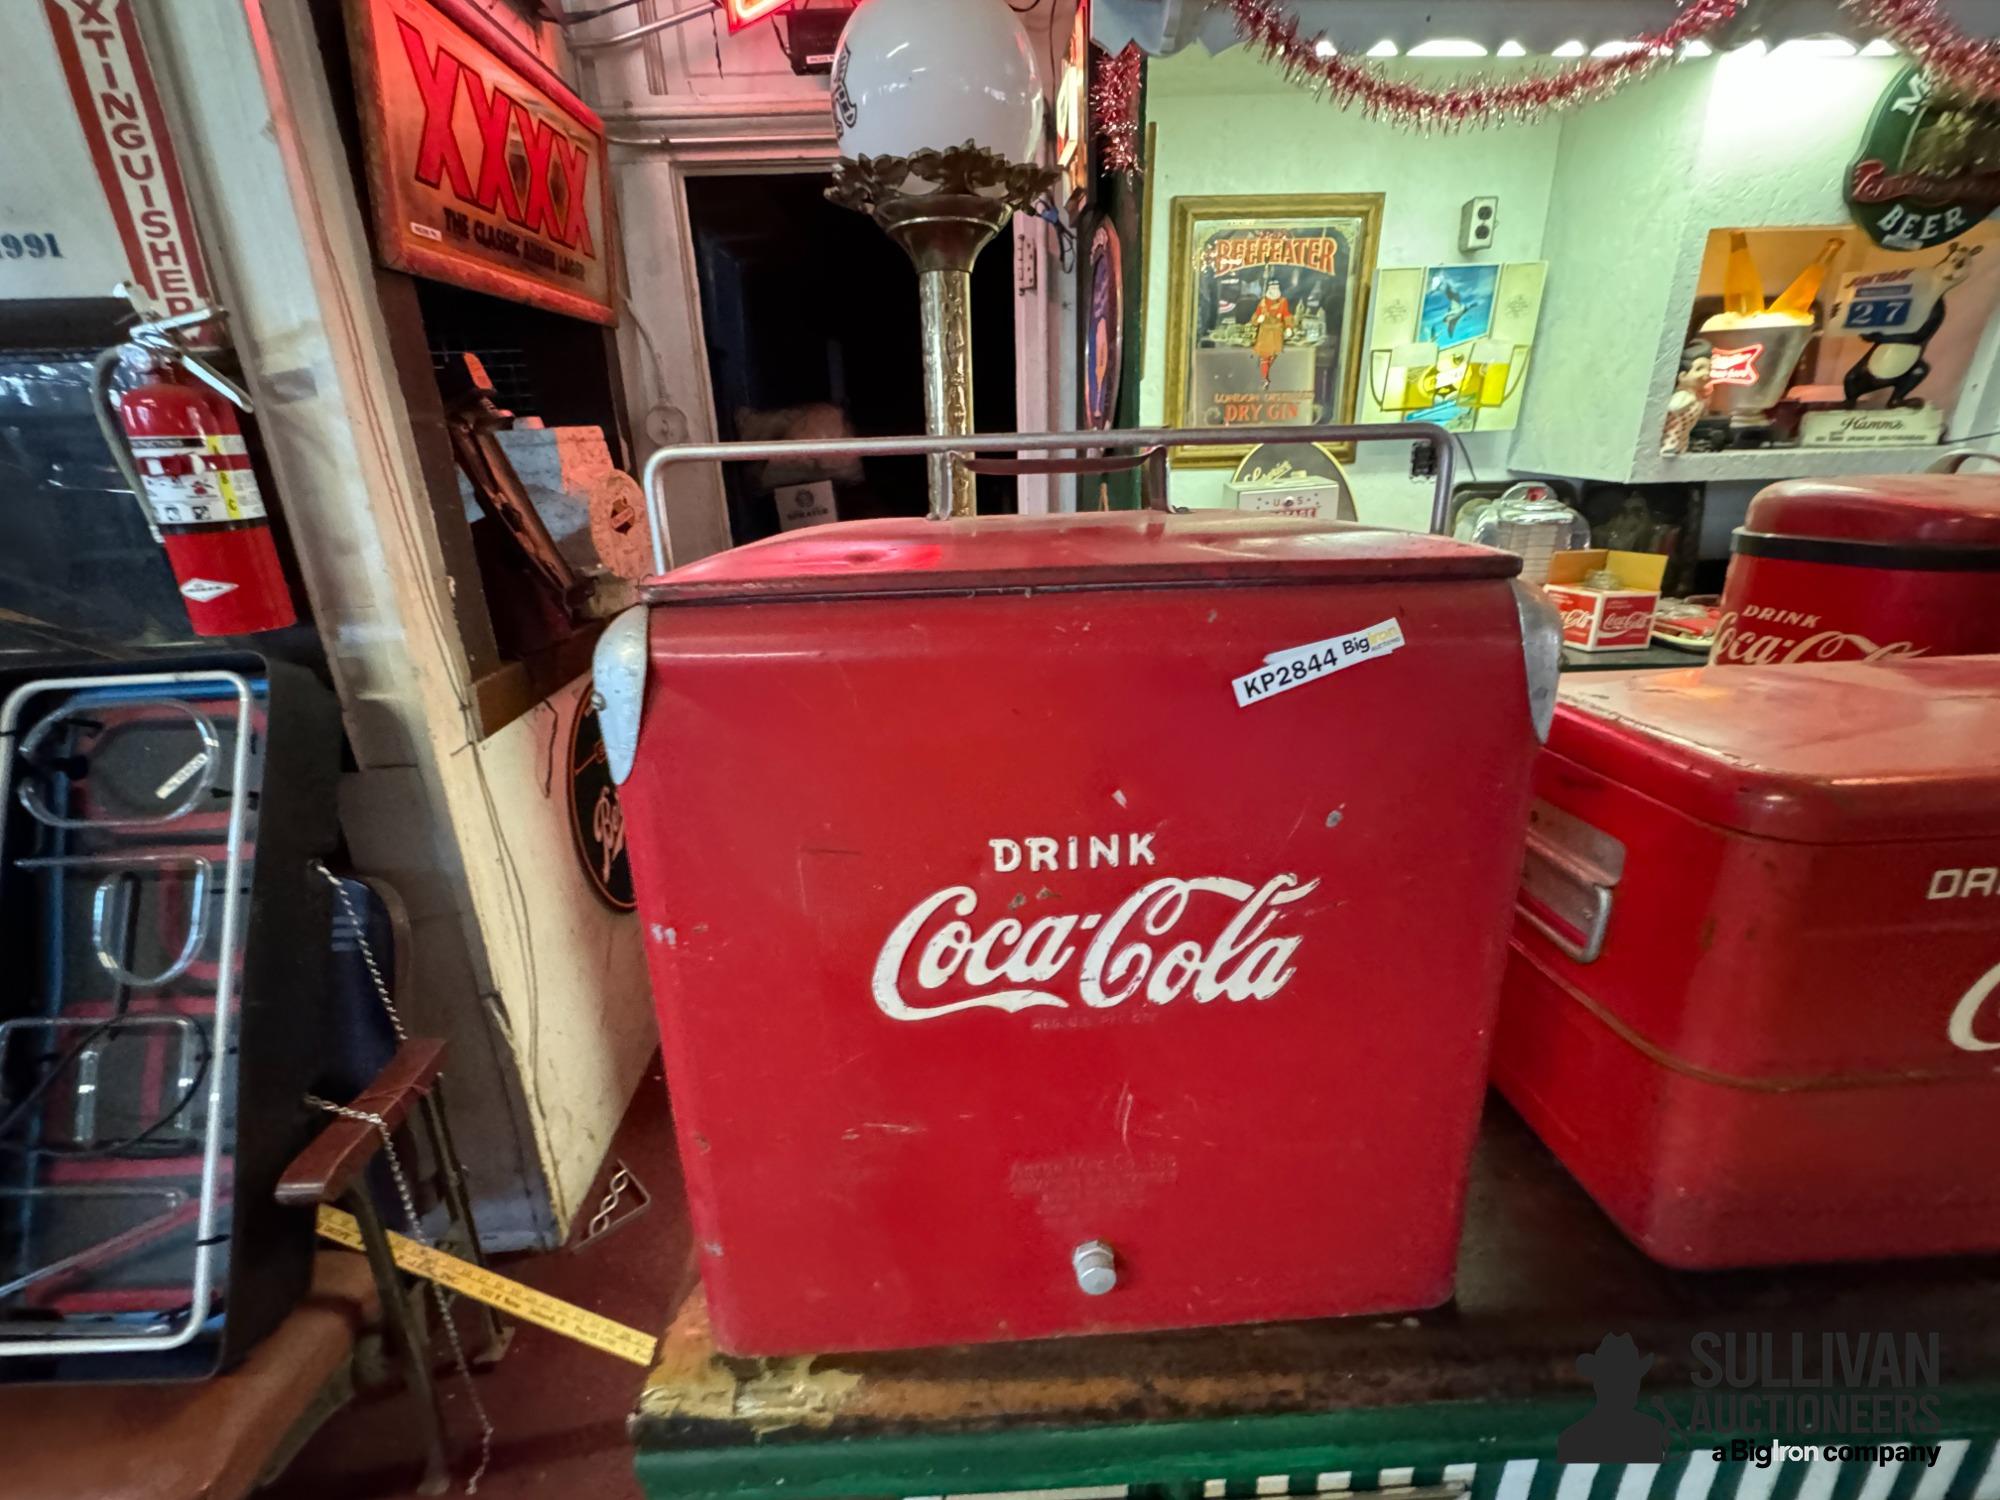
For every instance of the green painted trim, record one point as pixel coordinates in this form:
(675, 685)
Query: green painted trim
(1174, 1454)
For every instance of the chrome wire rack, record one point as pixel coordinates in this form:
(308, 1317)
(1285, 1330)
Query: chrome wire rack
(128, 812)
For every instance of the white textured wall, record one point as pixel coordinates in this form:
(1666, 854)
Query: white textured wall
(1619, 197)
(1614, 246)
(1743, 140)
(1229, 125)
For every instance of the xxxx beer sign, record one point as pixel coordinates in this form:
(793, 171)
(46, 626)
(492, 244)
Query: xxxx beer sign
(483, 168)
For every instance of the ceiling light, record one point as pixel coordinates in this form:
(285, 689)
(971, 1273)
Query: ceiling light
(1880, 47)
(1624, 48)
(1569, 49)
(1816, 46)
(1383, 48)
(1323, 49)
(1697, 49)
(1511, 49)
(1448, 47)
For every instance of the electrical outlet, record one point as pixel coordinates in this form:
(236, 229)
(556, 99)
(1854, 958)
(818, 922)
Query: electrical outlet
(1477, 222)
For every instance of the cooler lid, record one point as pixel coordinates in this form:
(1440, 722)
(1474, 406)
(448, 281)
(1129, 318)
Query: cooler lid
(1825, 753)
(1911, 510)
(1100, 550)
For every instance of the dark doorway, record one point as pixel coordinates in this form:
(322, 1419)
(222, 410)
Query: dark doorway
(814, 332)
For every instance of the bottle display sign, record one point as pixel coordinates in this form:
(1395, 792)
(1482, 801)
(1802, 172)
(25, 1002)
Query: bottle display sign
(1451, 344)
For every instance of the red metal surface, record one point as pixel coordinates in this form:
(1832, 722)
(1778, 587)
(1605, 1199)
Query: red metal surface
(1912, 569)
(1113, 549)
(1933, 510)
(877, 1159)
(1835, 753)
(245, 556)
(1786, 1039)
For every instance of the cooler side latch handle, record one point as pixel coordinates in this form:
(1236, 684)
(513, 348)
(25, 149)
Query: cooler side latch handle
(1568, 880)
(618, 682)
(1542, 649)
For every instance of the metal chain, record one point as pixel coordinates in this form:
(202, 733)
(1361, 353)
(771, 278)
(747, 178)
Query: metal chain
(416, 1231)
(613, 1191)
(398, 1176)
(346, 899)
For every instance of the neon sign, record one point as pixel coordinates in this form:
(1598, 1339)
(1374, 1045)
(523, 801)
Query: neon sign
(743, 13)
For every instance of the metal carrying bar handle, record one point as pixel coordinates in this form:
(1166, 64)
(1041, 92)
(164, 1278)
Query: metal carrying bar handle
(1123, 463)
(1081, 443)
(1150, 462)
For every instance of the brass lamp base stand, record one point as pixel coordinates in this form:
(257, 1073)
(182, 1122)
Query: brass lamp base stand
(943, 230)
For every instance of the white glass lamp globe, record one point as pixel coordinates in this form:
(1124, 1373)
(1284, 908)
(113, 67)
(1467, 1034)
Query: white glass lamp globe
(912, 75)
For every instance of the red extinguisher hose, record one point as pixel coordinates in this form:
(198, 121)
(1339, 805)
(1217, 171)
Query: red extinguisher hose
(101, 406)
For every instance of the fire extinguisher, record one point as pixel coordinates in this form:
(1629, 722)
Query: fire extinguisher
(190, 467)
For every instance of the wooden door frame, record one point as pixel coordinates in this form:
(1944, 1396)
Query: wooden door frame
(662, 340)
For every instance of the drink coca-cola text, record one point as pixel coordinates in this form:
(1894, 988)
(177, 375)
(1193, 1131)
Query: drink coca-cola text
(1757, 648)
(1141, 948)
(1961, 1029)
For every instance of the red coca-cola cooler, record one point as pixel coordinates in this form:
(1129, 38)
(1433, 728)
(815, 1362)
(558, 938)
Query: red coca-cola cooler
(1751, 1001)
(1075, 923)
(1864, 570)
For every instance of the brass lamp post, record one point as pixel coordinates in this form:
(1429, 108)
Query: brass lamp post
(909, 71)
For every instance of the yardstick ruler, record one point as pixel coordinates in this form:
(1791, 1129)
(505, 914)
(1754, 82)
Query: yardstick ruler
(482, 1285)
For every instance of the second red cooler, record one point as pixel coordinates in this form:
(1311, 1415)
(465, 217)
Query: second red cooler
(1075, 923)
(1864, 570)
(1754, 1000)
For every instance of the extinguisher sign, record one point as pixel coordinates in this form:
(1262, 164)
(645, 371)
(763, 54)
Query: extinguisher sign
(111, 85)
(191, 481)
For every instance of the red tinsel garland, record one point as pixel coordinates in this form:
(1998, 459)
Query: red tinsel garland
(1480, 100)
(1968, 64)
(1114, 105)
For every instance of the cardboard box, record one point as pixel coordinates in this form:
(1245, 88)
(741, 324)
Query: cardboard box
(1615, 619)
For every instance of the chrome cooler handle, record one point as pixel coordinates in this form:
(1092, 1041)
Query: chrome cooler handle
(1571, 871)
(1080, 443)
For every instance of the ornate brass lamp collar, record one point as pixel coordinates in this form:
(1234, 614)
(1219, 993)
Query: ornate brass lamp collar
(867, 183)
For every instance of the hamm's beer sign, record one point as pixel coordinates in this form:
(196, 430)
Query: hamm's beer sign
(484, 170)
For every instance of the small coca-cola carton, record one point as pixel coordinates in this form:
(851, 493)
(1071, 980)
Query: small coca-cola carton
(1607, 599)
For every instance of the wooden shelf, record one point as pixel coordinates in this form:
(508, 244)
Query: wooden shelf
(1466, 1392)
(1785, 463)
